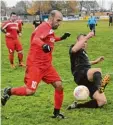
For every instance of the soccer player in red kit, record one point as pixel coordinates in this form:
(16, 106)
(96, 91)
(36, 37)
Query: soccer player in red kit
(39, 63)
(11, 30)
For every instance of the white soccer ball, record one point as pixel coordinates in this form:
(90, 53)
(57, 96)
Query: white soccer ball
(81, 93)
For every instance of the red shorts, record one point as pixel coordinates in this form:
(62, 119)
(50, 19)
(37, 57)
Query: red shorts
(34, 75)
(13, 44)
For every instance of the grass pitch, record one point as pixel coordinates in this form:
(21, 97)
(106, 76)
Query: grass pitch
(37, 109)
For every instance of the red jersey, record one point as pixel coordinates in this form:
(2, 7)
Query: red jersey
(42, 34)
(11, 28)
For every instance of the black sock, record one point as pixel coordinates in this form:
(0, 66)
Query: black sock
(89, 104)
(56, 111)
(97, 79)
(9, 91)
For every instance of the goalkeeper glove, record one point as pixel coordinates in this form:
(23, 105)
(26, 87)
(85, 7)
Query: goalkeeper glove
(46, 48)
(65, 36)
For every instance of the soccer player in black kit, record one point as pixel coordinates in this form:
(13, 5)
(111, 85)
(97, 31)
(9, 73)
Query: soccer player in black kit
(110, 19)
(37, 21)
(87, 76)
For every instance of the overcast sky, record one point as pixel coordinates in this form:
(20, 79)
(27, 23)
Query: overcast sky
(105, 3)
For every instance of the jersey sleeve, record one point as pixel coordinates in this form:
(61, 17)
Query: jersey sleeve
(70, 49)
(57, 39)
(88, 21)
(4, 25)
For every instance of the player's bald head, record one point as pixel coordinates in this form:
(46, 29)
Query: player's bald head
(55, 17)
(55, 13)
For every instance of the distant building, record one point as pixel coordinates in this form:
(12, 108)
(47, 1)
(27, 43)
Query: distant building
(88, 6)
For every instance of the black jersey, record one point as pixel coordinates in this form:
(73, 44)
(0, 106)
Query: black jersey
(79, 60)
(36, 23)
(110, 18)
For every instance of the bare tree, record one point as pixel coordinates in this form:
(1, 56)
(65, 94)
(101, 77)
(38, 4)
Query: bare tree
(66, 7)
(88, 6)
(3, 8)
(21, 7)
(111, 6)
(81, 5)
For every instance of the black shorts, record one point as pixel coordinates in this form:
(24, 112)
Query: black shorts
(81, 79)
(92, 26)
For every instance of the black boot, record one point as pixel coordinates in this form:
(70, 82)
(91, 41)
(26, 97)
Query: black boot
(57, 114)
(6, 96)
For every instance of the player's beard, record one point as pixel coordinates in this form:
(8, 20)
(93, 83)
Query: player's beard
(54, 27)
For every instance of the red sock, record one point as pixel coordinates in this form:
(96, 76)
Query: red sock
(20, 57)
(58, 98)
(20, 91)
(11, 58)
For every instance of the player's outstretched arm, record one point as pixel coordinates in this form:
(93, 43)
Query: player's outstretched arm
(79, 44)
(98, 60)
(65, 36)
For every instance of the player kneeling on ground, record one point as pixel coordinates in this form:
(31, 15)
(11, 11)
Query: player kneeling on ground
(87, 76)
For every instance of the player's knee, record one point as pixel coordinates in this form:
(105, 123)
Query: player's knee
(20, 51)
(11, 52)
(30, 92)
(98, 70)
(58, 86)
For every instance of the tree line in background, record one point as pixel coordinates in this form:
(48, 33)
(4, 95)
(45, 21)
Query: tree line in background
(44, 7)
(37, 7)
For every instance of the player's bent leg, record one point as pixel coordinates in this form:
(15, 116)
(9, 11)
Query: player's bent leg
(58, 97)
(91, 72)
(100, 98)
(20, 91)
(94, 103)
(91, 103)
(94, 75)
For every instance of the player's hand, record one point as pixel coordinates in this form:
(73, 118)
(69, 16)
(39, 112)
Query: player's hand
(20, 34)
(46, 48)
(90, 34)
(100, 59)
(7, 34)
(67, 34)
